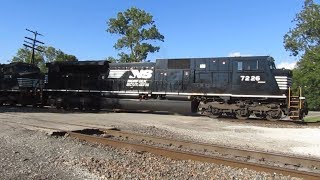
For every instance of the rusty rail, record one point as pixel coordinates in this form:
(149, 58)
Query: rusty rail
(179, 155)
(224, 150)
(306, 162)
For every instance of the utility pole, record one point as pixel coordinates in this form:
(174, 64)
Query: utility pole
(34, 46)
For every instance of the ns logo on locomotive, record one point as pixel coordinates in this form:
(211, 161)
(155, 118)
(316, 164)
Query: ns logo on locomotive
(136, 77)
(240, 87)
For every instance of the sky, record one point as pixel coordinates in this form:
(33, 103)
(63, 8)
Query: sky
(192, 28)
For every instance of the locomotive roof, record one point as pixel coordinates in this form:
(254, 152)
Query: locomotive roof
(78, 63)
(19, 64)
(227, 58)
(134, 64)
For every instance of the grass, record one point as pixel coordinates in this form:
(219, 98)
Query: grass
(312, 119)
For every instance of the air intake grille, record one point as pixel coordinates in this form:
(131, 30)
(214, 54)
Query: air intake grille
(28, 82)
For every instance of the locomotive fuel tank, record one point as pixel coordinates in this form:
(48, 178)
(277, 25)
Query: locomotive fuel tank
(173, 106)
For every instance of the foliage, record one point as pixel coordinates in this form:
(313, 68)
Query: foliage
(111, 59)
(307, 75)
(306, 34)
(136, 29)
(304, 40)
(25, 55)
(49, 54)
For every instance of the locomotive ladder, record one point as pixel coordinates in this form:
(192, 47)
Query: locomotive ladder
(295, 105)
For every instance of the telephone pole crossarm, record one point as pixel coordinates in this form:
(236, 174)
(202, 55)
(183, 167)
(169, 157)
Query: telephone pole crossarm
(34, 46)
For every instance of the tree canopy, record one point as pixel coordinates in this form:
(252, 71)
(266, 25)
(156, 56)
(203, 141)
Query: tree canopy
(304, 41)
(137, 30)
(49, 54)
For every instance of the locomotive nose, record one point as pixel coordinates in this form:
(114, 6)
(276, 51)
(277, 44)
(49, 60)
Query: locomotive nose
(283, 78)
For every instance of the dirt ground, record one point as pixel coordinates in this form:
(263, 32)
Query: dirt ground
(300, 140)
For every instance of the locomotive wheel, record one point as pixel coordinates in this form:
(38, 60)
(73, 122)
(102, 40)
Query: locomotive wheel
(81, 108)
(241, 114)
(66, 107)
(273, 115)
(213, 112)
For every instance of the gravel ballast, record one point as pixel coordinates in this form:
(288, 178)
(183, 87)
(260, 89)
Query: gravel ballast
(27, 154)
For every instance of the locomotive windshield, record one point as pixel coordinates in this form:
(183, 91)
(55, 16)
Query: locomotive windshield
(271, 63)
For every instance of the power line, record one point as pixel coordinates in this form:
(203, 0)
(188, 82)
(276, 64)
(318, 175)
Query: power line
(33, 44)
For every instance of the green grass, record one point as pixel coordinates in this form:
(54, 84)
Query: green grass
(312, 119)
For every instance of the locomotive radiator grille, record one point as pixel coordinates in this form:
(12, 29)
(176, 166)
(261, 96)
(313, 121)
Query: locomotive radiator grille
(283, 82)
(28, 82)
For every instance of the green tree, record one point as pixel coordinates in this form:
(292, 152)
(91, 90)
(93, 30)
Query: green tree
(111, 59)
(25, 54)
(49, 54)
(304, 41)
(137, 30)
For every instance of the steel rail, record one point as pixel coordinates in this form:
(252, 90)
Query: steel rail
(224, 150)
(179, 155)
(261, 156)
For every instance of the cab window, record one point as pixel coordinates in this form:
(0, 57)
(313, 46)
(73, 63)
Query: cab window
(248, 65)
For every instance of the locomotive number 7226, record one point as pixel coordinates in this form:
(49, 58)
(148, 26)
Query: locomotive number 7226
(250, 78)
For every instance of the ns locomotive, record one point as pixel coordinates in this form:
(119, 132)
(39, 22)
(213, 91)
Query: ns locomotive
(232, 86)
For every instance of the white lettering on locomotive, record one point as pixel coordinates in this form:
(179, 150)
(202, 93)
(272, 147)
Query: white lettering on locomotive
(138, 78)
(137, 82)
(250, 78)
(142, 74)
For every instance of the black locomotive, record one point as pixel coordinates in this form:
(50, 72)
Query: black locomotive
(76, 84)
(20, 83)
(232, 86)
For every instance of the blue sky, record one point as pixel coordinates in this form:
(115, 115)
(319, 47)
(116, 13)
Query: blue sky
(201, 28)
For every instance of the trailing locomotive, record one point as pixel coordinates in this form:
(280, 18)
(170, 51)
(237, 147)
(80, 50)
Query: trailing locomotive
(20, 83)
(78, 84)
(232, 86)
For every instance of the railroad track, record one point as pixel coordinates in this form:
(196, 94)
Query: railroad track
(303, 167)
